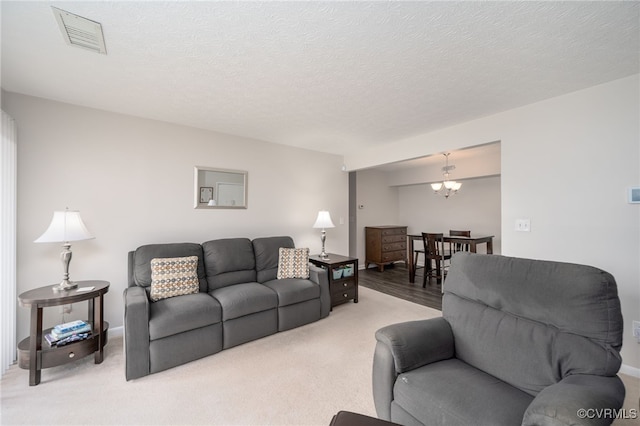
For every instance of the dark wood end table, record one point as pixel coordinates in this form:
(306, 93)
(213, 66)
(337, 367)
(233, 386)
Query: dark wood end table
(347, 418)
(342, 288)
(35, 356)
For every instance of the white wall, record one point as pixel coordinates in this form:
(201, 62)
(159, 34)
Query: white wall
(476, 208)
(566, 164)
(469, 164)
(379, 202)
(132, 180)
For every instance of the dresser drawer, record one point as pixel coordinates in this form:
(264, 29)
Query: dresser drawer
(394, 231)
(392, 256)
(394, 239)
(394, 247)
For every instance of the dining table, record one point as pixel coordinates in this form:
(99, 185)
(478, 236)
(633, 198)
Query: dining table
(472, 242)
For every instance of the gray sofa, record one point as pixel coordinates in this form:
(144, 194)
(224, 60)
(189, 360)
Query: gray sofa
(520, 341)
(239, 300)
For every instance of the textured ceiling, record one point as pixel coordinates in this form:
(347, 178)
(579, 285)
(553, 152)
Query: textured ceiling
(330, 76)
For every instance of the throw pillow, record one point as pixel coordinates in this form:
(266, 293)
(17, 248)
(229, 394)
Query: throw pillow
(293, 263)
(173, 276)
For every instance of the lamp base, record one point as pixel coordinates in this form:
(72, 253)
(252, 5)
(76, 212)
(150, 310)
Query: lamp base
(65, 285)
(323, 238)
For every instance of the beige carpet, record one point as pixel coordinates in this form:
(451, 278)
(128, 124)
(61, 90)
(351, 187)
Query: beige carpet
(299, 377)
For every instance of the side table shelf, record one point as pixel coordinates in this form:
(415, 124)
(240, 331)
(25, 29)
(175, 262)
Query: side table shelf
(34, 353)
(342, 288)
(53, 357)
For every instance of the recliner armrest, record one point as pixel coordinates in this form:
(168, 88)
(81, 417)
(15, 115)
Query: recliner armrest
(403, 347)
(136, 332)
(417, 343)
(578, 399)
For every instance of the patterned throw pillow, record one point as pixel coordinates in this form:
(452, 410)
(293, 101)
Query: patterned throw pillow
(293, 263)
(174, 276)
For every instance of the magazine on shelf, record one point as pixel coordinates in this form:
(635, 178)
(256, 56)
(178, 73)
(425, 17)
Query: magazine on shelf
(54, 343)
(58, 335)
(69, 326)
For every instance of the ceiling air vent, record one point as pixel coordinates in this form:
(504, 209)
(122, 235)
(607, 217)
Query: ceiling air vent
(80, 32)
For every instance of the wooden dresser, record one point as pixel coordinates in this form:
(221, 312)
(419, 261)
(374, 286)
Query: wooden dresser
(385, 245)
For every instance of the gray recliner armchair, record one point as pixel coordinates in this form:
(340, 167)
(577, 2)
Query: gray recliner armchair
(520, 341)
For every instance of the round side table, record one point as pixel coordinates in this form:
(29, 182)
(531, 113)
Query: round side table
(34, 355)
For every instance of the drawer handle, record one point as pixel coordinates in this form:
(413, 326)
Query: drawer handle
(345, 295)
(344, 284)
(71, 354)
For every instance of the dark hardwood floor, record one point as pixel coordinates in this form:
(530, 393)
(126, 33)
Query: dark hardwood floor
(394, 281)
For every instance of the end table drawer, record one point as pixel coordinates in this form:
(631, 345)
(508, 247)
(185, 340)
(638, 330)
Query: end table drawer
(64, 354)
(342, 286)
(343, 296)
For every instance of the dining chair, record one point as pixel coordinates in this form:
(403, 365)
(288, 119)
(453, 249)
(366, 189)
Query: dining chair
(434, 252)
(455, 247)
(416, 252)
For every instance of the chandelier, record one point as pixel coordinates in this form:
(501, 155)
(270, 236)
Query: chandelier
(448, 185)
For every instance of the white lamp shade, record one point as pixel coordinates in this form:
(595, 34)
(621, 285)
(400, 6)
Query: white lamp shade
(457, 186)
(436, 186)
(65, 226)
(449, 184)
(323, 220)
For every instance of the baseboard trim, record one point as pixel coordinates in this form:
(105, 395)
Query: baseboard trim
(630, 371)
(116, 331)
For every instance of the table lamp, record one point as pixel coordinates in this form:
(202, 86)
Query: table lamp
(65, 226)
(323, 221)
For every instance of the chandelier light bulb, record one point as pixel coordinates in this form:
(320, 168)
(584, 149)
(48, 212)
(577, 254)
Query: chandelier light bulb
(449, 185)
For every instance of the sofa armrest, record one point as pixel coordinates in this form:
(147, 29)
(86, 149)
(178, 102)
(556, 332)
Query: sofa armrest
(136, 332)
(403, 347)
(578, 399)
(320, 276)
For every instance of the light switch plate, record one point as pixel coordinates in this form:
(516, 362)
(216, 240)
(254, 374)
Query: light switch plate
(523, 225)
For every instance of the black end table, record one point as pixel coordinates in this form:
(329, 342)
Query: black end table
(35, 356)
(347, 418)
(342, 288)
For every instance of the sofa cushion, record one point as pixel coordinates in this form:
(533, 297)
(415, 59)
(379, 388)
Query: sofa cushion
(142, 261)
(571, 323)
(267, 255)
(294, 290)
(293, 263)
(243, 299)
(178, 314)
(452, 392)
(173, 276)
(229, 261)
